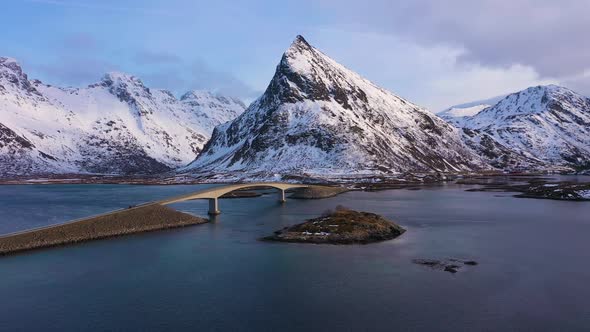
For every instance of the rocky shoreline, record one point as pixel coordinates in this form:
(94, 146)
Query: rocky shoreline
(535, 187)
(342, 226)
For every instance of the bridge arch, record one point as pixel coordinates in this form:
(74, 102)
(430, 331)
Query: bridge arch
(213, 194)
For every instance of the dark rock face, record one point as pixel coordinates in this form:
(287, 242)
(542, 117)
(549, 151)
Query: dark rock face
(125, 157)
(15, 149)
(498, 155)
(13, 74)
(289, 86)
(9, 139)
(128, 90)
(316, 116)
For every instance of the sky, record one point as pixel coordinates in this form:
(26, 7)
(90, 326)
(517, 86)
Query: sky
(434, 53)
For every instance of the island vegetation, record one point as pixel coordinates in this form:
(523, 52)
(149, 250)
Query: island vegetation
(341, 226)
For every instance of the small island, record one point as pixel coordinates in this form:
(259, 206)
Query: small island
(341, 226)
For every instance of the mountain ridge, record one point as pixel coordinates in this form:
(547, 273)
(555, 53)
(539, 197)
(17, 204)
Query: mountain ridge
(115, 126)
(546, 127)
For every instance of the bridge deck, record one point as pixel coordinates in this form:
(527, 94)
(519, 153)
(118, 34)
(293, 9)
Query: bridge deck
(216, 192)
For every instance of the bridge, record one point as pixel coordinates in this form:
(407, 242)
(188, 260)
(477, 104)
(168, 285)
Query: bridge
(140, 218)
(213, 194)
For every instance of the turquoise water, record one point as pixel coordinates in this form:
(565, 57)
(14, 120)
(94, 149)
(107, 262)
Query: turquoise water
(533, 272)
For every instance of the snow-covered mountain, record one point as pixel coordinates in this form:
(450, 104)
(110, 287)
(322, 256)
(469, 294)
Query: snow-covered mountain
(456, 114)
(117, 125)
(542, 127)
(317, 117)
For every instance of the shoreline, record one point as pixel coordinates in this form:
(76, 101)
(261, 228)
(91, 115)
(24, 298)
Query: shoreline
(401, 179)
(141, 219)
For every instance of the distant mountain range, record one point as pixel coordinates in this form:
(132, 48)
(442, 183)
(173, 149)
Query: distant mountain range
(315, 119)
(543, 127)
(319, 118)
(116, 126)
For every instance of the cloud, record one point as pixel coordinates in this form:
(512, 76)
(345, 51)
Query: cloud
(579, 83)
(80, 42)
(105, 7)
(204, 77)
(550, 36)
(77, 61)
(478, 82)
(159, 70)
(432, 76)
(199, 76)
(74, 71)
(156, 58)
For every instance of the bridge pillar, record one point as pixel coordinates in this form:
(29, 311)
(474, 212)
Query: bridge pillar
(214, 206)
(282, 196)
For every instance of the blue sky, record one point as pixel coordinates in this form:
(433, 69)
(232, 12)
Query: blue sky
(434, 54)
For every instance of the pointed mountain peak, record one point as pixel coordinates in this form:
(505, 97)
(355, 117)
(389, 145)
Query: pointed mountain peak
(299, 53)
(318, 117)
(305, 73)
(300, 42)
(300, 39)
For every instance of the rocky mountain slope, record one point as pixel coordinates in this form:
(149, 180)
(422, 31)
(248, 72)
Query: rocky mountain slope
(317, 117)
(545, 127)
(117, 125)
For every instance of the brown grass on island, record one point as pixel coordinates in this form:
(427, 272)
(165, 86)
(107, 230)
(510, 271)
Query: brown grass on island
(242, 194)
(133, 220)
(315, 192)
(342, 226)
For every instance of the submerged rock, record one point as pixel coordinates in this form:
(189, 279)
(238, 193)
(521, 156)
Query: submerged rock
(451, 265)
(342, 226)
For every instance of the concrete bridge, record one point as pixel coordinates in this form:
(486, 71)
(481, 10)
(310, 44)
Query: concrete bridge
(141, 218)
(213, 194)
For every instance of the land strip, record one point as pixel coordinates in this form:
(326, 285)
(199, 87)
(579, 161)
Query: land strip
(139, 219)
